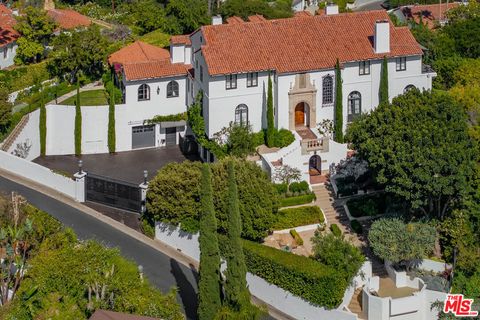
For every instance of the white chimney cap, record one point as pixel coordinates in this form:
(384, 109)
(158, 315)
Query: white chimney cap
(216, 20)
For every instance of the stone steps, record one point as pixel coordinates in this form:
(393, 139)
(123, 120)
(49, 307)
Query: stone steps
(8, 142)
(355, 304)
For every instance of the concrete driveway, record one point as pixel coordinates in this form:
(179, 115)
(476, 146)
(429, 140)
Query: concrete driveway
(126, 166)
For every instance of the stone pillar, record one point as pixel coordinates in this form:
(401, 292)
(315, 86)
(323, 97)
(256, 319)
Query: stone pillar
(80, 186)
(143, 195)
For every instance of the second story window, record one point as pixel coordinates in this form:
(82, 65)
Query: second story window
(201, 74)
(231, 81)
(172, 89)
(401, 64)
(252, 79)
(327, 90)
(144, 92)
(364, 68)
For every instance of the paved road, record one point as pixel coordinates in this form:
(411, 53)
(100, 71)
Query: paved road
(162, 271)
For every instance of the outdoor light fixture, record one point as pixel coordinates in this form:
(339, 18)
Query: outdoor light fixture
(80, 165)
(145, 176)
(158, 91)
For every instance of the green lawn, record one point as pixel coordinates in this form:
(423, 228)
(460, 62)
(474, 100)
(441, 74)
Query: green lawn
(89, 98)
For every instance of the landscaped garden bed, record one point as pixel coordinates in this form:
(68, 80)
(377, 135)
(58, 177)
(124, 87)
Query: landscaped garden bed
(301, 216)
(297, 193)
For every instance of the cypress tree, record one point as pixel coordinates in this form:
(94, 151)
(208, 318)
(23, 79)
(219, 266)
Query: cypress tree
(236, 293)
(111, 121)
(43, 126)
(78, 123)
(383, 90)
(338, 124)
(270, 121)
(209, 285)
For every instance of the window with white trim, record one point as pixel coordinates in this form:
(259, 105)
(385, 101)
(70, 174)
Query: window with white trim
(364, 68)
(401, 64)
(252, 79)
(231, 81)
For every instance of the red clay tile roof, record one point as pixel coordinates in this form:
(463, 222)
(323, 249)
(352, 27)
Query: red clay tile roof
(235, 20)
(429, 13)
(7, 21)
(300, 44)
(68, 19)
(154, 69)
(111, 315)
(181, 39)
(138, 51)
(256, 18)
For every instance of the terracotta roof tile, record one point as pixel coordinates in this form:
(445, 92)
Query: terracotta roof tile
(7, 21)
(181, 39)
(429, 13)
(69, 19)
(154, 69)
(138, 51)
(235, 20)
(300, 44)
(256, 18)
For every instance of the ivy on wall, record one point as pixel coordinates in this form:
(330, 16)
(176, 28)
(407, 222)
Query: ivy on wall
(170, 117)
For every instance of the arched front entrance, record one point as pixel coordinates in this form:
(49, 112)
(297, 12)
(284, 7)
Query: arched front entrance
(302, 115)
(315, 165)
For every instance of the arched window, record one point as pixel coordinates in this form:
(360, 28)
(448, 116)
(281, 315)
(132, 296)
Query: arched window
(354, 105)
(241, 115)
(327, 90)
(408, 88)
(172, 89)
(144, 92)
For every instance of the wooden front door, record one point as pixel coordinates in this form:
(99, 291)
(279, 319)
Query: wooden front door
(300, 114)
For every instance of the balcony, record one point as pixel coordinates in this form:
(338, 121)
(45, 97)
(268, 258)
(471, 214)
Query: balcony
(309, 145)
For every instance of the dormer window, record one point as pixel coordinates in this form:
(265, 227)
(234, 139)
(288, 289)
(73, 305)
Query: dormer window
(364, 68)
(231, 81)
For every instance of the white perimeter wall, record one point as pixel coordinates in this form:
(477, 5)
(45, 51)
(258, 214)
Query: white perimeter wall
(271, 294)
(30, 135)
(11, 52)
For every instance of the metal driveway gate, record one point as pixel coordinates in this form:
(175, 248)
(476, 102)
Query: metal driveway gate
(115, 193)
(143, 137)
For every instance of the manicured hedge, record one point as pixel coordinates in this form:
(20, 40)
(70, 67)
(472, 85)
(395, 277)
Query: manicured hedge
(294, 201)
(356, 226)
(319, 284)
(294, 217)
(335, 230)
(301, 186)
(297, 237)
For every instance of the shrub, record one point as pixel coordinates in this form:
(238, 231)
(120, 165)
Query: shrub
(302, 276)
(335, 230)
(283, 138)
(294, 217)
(356, 226)
(258, 138)
(296, 236)
(298, 200)
(299, 186)
(281, 188)
(369, 205)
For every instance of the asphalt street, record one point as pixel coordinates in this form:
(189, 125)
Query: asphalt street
(162, 271)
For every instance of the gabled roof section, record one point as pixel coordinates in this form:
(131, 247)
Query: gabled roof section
(154, 69)
(300, 44)
(137, 52)
(7, 22)
(181, 39)
(68, 19)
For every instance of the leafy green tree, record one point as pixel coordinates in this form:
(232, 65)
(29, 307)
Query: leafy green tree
(395, 241)
(209, 284)
(419, 147)
(338, 253)
(383, 90)
(36, 30)
(246, 8)
(469, 97)
(237, 295)
(270, 120)
(78, 123)
(338, 125)
(5, 110)
(465, 34)
(78, 53)
(240, 141)
(189, 14)
(144, 16)
(111, 121)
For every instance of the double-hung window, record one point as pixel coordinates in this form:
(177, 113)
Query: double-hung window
(231, 81)
(401, 64)
(364, 68)
(252, 79)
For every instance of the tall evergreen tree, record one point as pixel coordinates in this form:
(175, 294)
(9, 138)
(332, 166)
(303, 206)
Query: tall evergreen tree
(236, 293)
(78, 123)
(383, 90)
(338, 124)
(270, 121)
(111, 121)
(43, 126)
(209, 285)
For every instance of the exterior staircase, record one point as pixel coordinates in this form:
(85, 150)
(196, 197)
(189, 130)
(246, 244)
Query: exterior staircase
(8, 142)
(333, 213)
(355, 305)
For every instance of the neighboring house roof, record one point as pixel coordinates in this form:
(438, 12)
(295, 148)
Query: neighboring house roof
(68, 19)
(154, 69)
(429, 14)
(181, 39)
(300, 43)
(138, 51)
(111, 315)
(7, 21)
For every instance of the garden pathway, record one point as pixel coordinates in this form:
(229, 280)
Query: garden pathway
(88, 87)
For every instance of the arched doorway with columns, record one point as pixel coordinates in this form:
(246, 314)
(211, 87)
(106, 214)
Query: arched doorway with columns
(302, 115)
(302, 103)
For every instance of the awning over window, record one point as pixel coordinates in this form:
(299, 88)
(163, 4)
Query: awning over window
(172, 124)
